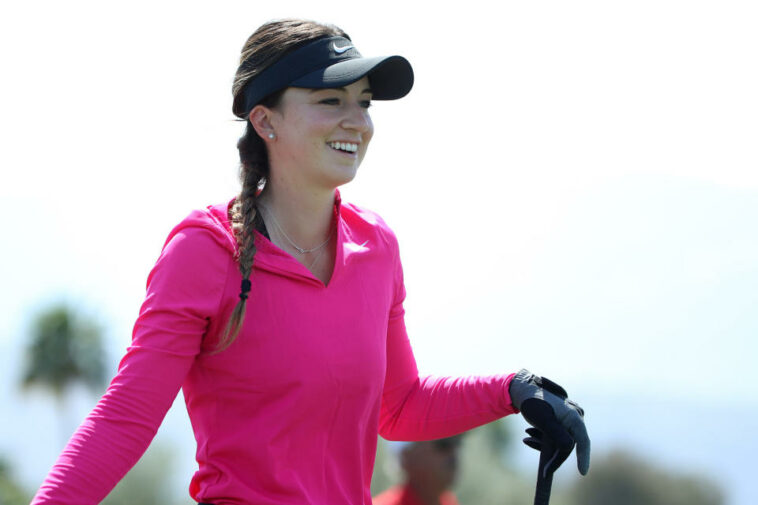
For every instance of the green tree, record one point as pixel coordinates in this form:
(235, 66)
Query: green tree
(621, 478)
(65, 349)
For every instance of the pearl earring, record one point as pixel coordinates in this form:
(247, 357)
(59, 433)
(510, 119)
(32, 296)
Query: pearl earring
(271, 136)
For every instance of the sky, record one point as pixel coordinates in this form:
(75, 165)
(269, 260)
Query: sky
(574, 186)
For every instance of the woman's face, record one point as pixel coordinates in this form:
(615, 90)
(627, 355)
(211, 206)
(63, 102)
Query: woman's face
(322, 134)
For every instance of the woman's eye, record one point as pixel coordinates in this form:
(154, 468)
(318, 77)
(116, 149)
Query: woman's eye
(336, 101)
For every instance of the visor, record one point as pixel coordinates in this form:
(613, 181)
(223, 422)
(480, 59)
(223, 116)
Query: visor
(331, 62)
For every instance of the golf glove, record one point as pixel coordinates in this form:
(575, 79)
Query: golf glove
(545, 405)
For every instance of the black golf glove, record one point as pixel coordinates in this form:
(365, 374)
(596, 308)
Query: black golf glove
(545, 405)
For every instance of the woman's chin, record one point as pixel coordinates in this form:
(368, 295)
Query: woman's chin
(342, 175)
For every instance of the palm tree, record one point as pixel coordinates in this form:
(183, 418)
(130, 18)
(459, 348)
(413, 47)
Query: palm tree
(65, 349)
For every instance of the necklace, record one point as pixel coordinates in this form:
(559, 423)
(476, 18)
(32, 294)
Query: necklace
(318, 257)
(299, 249)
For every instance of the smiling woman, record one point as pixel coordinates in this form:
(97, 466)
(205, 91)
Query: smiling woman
(280, 313)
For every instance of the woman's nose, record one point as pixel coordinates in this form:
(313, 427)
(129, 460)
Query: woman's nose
(357, 118)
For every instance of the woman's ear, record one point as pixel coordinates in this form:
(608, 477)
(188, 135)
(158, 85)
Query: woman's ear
(260, 118)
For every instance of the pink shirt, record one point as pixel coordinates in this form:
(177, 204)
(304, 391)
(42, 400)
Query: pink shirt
(289, 414)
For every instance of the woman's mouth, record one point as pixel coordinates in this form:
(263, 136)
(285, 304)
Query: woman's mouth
(345, 147)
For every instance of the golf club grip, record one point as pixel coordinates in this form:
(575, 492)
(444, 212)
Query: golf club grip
(544, 482)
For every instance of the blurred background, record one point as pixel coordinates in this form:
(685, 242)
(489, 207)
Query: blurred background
(574, 186)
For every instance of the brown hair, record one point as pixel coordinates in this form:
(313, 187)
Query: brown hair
(269, 43)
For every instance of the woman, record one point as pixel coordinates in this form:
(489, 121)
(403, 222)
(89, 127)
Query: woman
(280, 313)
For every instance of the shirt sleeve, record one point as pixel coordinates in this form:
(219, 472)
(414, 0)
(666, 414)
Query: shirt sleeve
(426, 408)
(183, 293)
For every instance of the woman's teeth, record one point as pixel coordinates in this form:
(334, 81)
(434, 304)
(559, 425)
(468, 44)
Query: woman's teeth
(344, 146)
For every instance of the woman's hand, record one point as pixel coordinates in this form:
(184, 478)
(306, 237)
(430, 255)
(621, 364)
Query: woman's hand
(545, 405)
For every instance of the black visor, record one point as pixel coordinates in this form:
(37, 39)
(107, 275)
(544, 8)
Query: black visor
(331, 62)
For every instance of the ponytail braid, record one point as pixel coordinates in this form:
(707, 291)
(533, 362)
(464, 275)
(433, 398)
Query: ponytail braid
(253, 172)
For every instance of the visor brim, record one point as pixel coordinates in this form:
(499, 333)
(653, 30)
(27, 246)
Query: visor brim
(391, 77)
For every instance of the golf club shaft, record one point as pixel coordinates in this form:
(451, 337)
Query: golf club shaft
(544, 479)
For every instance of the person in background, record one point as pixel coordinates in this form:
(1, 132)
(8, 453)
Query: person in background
(430, 469)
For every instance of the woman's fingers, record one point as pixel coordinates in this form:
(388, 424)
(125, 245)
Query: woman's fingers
(575, 425)
(540, 415)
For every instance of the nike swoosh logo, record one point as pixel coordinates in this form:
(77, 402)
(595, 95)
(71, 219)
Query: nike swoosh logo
(356, 248)
(340, 50)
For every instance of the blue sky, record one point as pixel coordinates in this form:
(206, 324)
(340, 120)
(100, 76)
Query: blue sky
(574, 187)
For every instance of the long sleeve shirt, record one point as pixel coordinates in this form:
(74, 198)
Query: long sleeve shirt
(290, 412)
